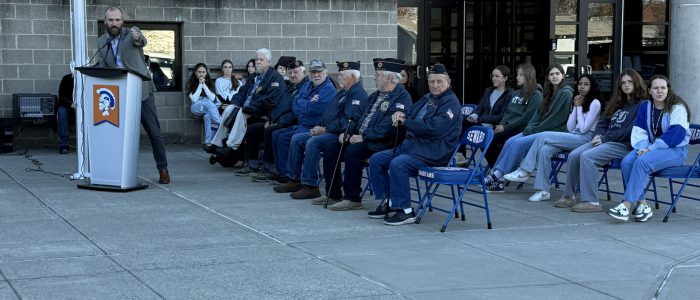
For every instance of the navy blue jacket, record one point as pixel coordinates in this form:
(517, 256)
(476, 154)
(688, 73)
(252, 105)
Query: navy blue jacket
(380, 133)
(434, 137)
(311, 101)
(265, 97)
(282, 114)
(347, 105)
(493, 115)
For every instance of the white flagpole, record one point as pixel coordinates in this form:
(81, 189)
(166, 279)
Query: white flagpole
(79, 47)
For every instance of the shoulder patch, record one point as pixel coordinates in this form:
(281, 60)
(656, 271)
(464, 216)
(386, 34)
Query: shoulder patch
(275, 84)
(450, 113)
(400, 105)
(384, 106)
(355, 102)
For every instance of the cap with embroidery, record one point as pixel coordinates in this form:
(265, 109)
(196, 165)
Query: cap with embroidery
(348, 65)
(316, 65)
(285, 61)
(438, 69)
(388, 64)
(295, 64)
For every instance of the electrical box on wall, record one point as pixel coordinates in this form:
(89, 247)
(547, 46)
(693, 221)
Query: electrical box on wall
(33, 106)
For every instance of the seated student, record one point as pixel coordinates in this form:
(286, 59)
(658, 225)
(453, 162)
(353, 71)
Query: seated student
(63, 110)
(660, 140)
(432, 133)
(408, 81)
(227, 86)
(309, 105)
(256, 99)
(494, 102)
(550, 116)
(282, 117)
(580, 126)
(371, 133)
(519, 111)
(250, 70)
(611, 140)
(204, 102)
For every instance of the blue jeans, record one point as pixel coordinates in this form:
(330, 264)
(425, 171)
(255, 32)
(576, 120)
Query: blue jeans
(402, 167)
(62, 124)
(295, 156)
(514, 151)
(210, 113)
(636, 170)
(545, 146)
(312, 156)
(281, 140)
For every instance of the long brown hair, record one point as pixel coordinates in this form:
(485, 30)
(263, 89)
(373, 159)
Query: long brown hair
(234, 81)
(671, 97)
(549, 88)
(529, 87)
(194, 82)
(619, 98)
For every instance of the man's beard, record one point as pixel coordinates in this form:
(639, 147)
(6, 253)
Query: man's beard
(114, 30)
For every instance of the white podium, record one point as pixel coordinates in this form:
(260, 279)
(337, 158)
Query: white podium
(112, 117)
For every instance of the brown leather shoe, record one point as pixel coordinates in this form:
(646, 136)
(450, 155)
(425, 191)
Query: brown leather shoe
(164, 176)
(288, 187)
(306, 192)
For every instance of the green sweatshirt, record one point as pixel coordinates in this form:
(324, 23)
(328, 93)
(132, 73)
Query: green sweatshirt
(556, 116)
(519, 111)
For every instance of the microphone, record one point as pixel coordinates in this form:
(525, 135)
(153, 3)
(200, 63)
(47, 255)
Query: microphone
(109, 41)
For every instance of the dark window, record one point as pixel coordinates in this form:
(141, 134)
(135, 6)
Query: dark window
(646, 37)
(164, 52)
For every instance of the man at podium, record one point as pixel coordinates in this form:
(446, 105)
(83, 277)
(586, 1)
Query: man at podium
(123, 48)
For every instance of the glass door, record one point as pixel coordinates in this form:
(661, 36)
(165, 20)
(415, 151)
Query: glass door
(601, 55)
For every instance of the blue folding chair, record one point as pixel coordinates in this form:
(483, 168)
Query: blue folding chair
(679, 175)
(613, 164)
(478, 139)
(468, 109)
(558, 161)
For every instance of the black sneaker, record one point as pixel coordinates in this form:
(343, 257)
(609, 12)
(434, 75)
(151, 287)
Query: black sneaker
(495, 187)
(380, 212)
(247, 171)
(401, 218)
(210, 148)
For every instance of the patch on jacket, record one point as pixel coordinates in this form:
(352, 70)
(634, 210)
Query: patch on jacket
(450, 114)
(315, 98)
(355, 102)
(399, 106)
(275, 84)
(384, 106)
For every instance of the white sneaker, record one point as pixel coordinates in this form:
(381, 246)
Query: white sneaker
(518, 175)
(642, 213)
(539, 196)
(619, 212)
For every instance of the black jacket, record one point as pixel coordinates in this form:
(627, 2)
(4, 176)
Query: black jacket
(282, 113)
(265, 97)
(347, 105)
(493, 115)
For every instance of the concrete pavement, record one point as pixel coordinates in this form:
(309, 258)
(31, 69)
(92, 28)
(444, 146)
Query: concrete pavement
(211, 234)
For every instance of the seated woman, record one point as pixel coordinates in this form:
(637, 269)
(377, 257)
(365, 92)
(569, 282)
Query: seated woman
(520, 109)
(408, 80)
(226, 85)
(582, 120)
(660, 140)
(611, 140)
(494, 102)
(551, 116)
(204, 102)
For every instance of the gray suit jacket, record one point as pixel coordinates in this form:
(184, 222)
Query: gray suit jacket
(131, 55)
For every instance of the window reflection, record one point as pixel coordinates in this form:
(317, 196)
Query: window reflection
(160, 55)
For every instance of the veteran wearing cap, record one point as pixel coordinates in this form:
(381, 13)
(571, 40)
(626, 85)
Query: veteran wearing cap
(432, 126)
(256, 98)
(372, 132)
(282, 117)
(308, 106)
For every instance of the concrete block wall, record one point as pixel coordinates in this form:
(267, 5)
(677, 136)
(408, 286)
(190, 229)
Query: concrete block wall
(35, 43)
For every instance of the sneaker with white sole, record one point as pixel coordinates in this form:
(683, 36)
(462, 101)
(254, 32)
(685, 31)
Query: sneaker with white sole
(642, 213)
(495, 187)
(539, 196)
(619, 212)
(401, 218)
(518, 175)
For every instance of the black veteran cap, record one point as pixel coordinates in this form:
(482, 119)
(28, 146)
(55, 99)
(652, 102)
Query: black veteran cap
(285, 61)
(388, 64)
(295, 64)
(348, 65)
(438, 69)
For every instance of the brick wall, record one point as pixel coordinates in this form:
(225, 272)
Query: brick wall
(35, 43)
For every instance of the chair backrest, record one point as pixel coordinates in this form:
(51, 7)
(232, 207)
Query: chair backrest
(477, 140)
(468, 109)
(694, 134)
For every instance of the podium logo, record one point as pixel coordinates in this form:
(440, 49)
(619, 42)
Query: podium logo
(105, 106)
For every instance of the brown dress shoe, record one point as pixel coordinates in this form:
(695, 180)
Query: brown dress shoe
(164, 176)
(306, 192)
(288, 187)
